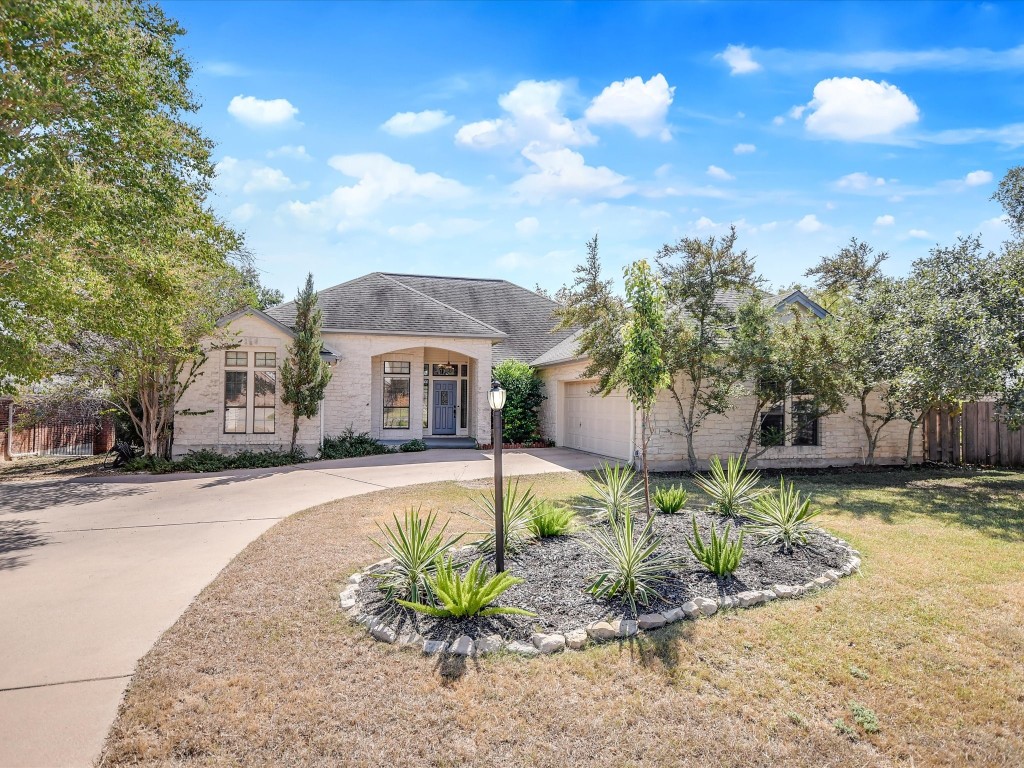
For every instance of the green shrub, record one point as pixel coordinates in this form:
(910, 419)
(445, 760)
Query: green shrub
(613, 492)
(670, 500)
(864, 717)
(413, 446)
(549, 519)
(417, 551)
(732, 489)
(351, 444)
(525, 393)
(720, 556)
(782, 517)
(634, 567)
(517, 514)
(468, 595)
(206, 460)
(843, 729)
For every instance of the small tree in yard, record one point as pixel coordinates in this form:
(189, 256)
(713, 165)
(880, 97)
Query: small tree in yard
(641, 368)
(304, 375)
(520, 420)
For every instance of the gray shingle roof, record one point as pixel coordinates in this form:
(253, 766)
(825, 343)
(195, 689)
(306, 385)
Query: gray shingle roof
(519, 320)
(562, 352)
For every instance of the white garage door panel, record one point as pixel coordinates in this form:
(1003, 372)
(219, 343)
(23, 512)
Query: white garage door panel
(596, 424)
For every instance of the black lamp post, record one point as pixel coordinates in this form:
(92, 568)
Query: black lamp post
(496, 399)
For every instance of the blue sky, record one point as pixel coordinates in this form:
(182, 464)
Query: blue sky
(495, 139)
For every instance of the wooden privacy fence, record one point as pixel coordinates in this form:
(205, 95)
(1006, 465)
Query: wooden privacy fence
(974, 436)
(66, 434)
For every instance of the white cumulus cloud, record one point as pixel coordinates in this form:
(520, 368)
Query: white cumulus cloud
(564, 173)
(235, 175)
(885, 220)
(744, 149)
(262, 112)
(533, 113)
(859, 182)
(639, 106)
(527, 226)
(740, 60)
(853, 109)
(290, 151)
(977, 178)
(810, 223)
(719, 173)
(918, 233)
(412, 123)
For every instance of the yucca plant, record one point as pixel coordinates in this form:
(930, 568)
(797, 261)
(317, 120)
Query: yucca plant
(720, 556)
(550, 519)
(469, 595)
(416, 550)
(613, 492)
(634, 567)
(732, 489)
(517, 514)
(670, 500)
(782, 517)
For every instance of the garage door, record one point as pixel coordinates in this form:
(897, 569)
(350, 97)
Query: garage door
(596, 424)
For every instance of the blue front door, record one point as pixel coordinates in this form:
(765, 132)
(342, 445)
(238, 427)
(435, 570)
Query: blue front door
(444, 407)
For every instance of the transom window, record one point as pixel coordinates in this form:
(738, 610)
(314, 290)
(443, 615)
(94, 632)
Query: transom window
(442, 369)
(236, 359)
(397, 366)
(266, 359)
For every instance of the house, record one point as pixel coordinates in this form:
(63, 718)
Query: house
(412, 357)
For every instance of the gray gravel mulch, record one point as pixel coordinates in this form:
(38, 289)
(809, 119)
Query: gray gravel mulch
(557, 571)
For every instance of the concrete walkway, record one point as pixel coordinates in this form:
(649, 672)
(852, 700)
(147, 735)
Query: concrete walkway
(93, 571)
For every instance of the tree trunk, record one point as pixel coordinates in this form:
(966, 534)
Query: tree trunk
(644, 429)
(909, 460)
(866, 422)
(295, 426)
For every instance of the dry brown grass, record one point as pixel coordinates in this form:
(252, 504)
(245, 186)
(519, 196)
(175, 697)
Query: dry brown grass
(264, 670)
(50, 467)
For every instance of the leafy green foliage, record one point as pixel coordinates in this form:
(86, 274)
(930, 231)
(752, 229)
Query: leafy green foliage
(350, 444)
(782, 517)
(720, 555)
(469, 595)
(864, 717)
(417, 551)
(551, 519)
(517, 514)
(525, 393)
(613, 492)
(732, 489)
(843, 729)
(670, 499)
(413, 446)
(304, 374)
(634, 568)
(206, 460)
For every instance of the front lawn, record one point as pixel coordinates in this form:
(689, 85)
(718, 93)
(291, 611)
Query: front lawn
(263, 669)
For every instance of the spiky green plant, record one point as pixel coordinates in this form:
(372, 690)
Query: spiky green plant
(720, 555)
(613, 492)
(782, 517)
(670, 500)
(518, 506)
(550, 519)
(731, 488)
(634, 567)
(468, 595)
(416, 549)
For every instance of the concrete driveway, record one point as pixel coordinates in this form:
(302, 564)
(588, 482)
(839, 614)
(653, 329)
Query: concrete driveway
(93, 571)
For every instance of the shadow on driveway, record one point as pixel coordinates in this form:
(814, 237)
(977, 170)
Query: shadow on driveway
(16, 536)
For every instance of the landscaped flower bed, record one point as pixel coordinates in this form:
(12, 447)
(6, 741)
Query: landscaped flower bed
(562, 600)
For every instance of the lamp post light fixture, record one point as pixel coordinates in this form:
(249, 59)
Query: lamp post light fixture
(496, 399)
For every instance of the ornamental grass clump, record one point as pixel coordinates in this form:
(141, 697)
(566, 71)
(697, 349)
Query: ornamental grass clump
(783, 517)
(416, 550)
(550, 519)
(469, 595)
(731, 488)
(720, 555)
(517, 513)
(614, 492)
(670, 500)
(634, 568)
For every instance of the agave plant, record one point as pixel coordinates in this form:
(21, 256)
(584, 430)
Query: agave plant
(732, 489)
(782, 517)
(416, 550)
(614, 492)
(517, 513)
(552, 520)
(670, 500)
(469, 595)
(720, 556)
(634, 567)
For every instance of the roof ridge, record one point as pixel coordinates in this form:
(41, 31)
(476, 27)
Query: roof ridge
(477, 320)
(445, 277)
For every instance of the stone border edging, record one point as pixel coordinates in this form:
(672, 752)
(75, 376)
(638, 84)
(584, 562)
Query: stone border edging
(598, 631)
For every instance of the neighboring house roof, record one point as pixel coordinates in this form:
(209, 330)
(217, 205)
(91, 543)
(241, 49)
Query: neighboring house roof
(517, 319)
